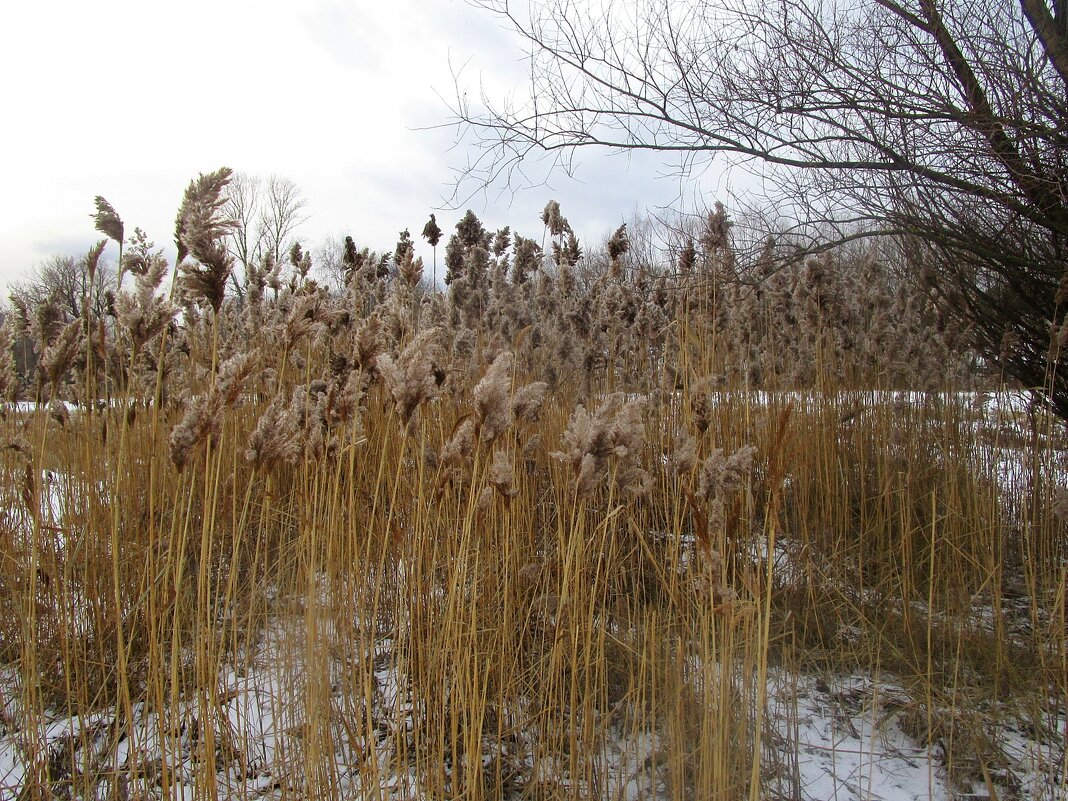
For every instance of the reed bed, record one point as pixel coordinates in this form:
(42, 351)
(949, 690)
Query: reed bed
(394, 544)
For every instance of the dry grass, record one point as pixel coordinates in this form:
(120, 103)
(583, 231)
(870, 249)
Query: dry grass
(486, 601)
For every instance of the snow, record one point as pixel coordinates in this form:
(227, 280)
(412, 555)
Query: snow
(848, 738)
(848, 747)
(857, 737)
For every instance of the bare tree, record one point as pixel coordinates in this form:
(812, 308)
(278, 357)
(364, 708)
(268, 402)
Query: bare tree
(65, 282)
(329, 261)
(281, 213)
(266, 214)
(242, 208)
(944, 122)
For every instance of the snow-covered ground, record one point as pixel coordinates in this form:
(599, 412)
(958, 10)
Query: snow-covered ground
(850, 738)
(861, 737)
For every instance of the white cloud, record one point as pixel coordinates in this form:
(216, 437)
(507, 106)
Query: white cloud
(131, 100)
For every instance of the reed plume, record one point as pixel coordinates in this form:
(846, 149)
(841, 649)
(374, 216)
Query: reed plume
(528, 400)
(493, 398)
(9, 381)
(591, 439)
(61, 354)
(203, 419)
(143, 314)
(719, 476)
(200, 232)
(108, 221)
(411, 377)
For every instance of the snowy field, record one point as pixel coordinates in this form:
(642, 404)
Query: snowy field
(850, 738)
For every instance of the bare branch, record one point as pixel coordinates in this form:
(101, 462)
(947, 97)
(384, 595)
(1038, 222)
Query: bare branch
(945, 122)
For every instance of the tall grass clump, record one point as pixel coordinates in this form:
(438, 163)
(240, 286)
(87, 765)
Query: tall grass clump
(560, 531)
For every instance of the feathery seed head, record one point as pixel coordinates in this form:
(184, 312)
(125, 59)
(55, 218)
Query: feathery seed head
(618, 244)
(615, 430)
(684, 455)
(1060, 504)
(554, 220)
(500, 474)
(9, 382)
(200, 231)
(431, 232)
(528, 400)
(107, 220)
(410, 378)
(460, 444)
(493, 398)
(722, 474)
(57, 410)
(203, 418)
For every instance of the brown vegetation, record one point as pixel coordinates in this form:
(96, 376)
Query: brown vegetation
(551, 507)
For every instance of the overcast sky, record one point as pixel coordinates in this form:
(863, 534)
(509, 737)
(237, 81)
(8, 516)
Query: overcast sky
(132, 99)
